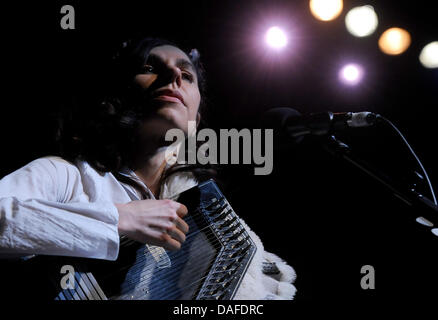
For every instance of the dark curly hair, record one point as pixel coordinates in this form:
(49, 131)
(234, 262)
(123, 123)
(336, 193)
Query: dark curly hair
(101, 125)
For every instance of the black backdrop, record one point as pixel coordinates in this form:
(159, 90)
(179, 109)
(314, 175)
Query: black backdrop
(326, 218)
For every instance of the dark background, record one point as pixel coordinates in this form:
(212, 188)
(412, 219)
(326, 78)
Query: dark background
(323, 216)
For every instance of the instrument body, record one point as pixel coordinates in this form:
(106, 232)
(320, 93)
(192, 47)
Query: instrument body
(210, 264)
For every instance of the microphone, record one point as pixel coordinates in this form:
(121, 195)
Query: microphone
(324, 123)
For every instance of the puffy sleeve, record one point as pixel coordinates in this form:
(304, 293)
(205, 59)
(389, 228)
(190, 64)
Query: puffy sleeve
(44, 211)
(268, 277)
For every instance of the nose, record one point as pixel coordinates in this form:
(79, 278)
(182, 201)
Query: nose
(174, 75)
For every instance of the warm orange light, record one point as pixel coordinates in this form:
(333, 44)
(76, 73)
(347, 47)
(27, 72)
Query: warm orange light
(326, 10)
(394, 41)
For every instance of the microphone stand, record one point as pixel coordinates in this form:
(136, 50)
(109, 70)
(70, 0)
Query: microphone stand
(420, 204)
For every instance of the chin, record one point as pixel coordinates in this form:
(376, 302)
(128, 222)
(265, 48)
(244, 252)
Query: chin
(175, 116)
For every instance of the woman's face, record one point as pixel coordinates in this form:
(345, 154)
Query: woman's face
(171, 83)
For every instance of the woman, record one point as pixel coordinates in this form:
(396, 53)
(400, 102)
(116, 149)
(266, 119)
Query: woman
(113, 177)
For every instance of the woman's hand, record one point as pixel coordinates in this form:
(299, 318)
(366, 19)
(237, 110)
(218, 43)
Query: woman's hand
(155, 222)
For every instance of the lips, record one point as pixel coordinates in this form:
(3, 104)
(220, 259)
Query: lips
(168, 95)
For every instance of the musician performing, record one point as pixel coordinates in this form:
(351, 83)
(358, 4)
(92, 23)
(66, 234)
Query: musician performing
(111, 218)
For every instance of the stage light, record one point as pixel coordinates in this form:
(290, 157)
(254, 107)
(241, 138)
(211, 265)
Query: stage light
(276, 38)
(361, 21)
(326, 10)
(429, 55)
(394, 41)
(351, 74)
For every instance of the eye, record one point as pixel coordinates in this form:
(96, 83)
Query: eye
(188, 76)
(147, 68)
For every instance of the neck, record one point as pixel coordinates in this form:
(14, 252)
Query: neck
(152, 170)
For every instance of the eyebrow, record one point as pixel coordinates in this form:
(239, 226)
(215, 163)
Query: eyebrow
(180, 63)
(185, 64)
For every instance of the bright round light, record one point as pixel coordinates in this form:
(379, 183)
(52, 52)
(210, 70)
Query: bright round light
(429, 55)
(326, 10)
(361, 21)
(394, 41)
(351, 74)
(276, 38)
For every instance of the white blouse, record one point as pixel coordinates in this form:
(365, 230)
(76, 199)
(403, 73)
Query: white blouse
(54, 207)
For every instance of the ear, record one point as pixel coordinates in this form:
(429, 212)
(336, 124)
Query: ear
(198, 119)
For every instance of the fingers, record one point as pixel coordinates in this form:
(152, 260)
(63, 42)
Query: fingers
(181, 210)
(167, 225)
(171, 236)
(176, 234)
(161, 239)
(158, 222)
(182, 225)
(169, 243)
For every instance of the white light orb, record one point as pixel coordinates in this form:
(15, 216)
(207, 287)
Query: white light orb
(351, 74)
(276, 38)
(429, 55)
(361, 21)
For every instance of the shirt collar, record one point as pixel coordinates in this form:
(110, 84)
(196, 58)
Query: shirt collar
(127, 172)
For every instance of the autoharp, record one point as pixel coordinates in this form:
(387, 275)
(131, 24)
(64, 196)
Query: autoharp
(210, 264)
